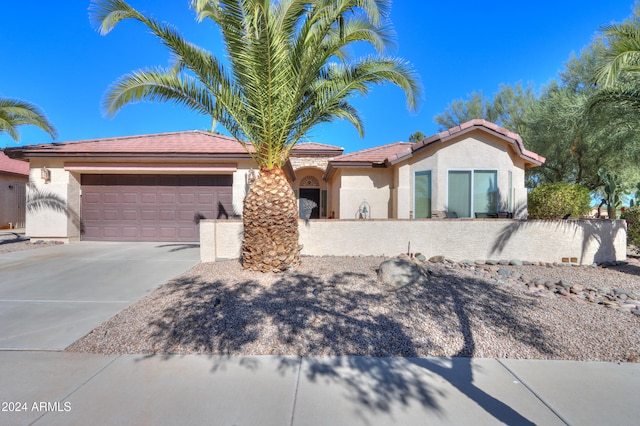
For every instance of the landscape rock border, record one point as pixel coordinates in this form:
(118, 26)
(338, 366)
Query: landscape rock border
(498, 271)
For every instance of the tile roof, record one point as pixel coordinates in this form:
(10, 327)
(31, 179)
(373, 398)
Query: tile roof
(15, 167)
(192, 142)
(514, 138)
(376, 155)
(314, 146)
(396, 152)
(175, 143)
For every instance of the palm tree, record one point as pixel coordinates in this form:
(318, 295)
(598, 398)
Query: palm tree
(15, 113)
(287, 71)
(619, 72)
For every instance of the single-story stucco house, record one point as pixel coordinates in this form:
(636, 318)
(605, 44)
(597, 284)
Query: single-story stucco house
(14, 175)
(157, 187)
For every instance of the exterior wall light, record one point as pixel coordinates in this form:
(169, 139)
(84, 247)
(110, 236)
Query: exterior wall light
(251, 176)
(45, 174)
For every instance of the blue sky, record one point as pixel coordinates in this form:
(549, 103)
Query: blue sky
(52, 57)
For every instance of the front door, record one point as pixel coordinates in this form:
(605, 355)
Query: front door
(309, 203)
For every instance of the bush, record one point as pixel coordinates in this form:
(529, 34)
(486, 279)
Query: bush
(556, 200)
(632, 216)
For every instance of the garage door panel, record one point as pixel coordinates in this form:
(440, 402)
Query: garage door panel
(151, 207)
(187, 198)
(166, 198)
(110, 231)
(206, 198)
(148, 232)
(130, 198)
(167, 214)
(92, 197)
(167, 233)
(148, 215)
(92, 214)
(110, 198)
(109, 214)
(148, 198)
(129, 214)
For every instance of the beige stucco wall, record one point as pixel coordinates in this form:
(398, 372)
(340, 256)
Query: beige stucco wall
(475, 150)
(358, 185)
(8, 198)
(544, 241)
(48, 222)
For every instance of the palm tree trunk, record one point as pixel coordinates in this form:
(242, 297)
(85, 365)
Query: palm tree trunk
(270, 219)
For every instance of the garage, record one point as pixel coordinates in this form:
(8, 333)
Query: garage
(152, 207)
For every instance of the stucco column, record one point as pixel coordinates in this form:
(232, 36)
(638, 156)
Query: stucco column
(404, 200)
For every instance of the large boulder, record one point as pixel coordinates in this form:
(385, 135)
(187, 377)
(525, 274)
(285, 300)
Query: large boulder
(397, 273)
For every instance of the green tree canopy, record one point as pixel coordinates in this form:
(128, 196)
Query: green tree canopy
(506, 108)
(417, 136)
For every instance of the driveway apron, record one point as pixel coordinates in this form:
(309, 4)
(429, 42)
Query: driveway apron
(51, 297)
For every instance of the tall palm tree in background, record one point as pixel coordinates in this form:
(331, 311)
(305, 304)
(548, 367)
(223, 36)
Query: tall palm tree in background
(15, 113)
(287, 71)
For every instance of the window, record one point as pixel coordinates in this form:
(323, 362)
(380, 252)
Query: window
(422, 194)
(473, 193)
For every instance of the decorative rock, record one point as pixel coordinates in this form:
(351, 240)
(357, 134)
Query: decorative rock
(436, 259)
(503, 262)
(398, 273)
(565, 284)
(467, 262)
(577, 288)
(491, 262)
(619, 291)
(504, 272)
(515, 262)
(539, 281)
(636, 312)
(479, 262)
(421, 257)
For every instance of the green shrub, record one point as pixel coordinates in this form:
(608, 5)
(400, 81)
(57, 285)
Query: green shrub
(632, 216)
(556, 200)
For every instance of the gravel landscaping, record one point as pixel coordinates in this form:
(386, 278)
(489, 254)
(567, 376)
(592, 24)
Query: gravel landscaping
(338, 306)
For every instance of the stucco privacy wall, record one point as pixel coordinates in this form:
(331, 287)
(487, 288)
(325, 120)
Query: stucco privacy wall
(588, 241)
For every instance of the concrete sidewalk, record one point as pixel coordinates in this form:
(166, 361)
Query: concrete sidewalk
(59, 388)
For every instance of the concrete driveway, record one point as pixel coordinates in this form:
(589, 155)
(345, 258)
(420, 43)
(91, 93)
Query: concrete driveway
(51, 297)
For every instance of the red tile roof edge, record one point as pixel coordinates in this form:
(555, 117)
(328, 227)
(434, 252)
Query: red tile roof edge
(396, 149)
(478, 123)
(14, 167)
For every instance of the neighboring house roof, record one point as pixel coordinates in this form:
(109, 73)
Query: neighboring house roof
(175, 144)
(394, 153)
(13, 167)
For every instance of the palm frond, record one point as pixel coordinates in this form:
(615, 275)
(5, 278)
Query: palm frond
(282, 79)
(15, 113)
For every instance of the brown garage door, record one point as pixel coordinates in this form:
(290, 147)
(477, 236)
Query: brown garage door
(152, 207)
